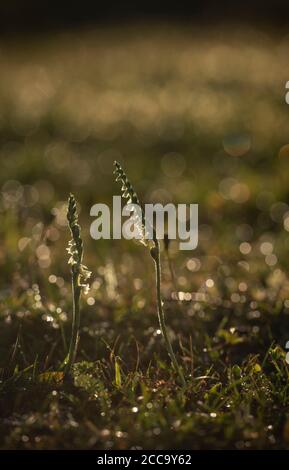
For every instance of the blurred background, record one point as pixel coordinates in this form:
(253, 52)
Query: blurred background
(33, 15)
(190, 99)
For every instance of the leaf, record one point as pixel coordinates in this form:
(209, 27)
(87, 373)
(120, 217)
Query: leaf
(237, 371)
(231, 338)
(117, 374)
(53, 377)
(257, 368)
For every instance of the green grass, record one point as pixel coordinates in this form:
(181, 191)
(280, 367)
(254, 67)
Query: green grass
(205, 125)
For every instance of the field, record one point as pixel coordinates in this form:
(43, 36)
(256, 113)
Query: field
(193, 117)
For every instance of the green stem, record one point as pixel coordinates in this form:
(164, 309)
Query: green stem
(76, 290)
(161, 315)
